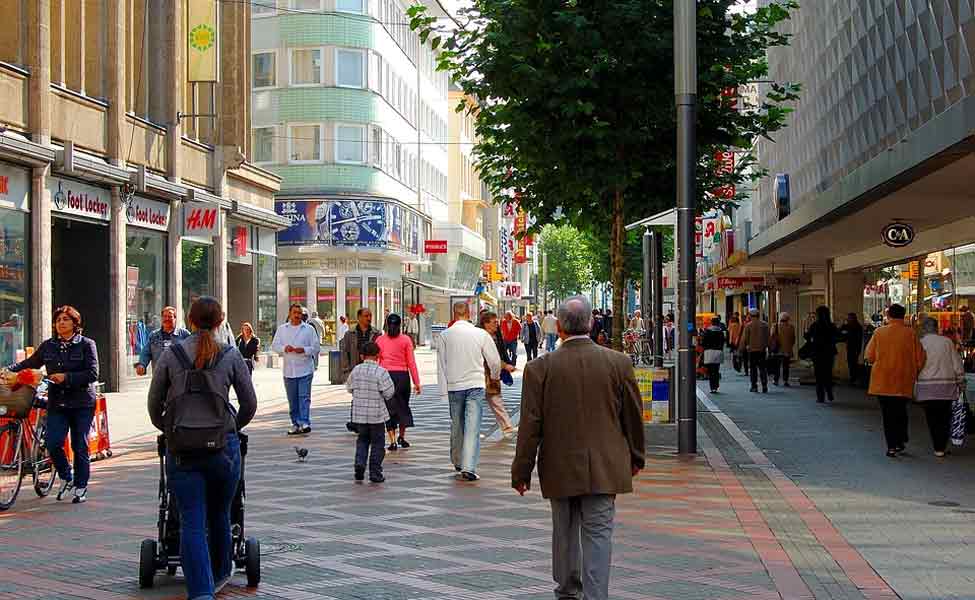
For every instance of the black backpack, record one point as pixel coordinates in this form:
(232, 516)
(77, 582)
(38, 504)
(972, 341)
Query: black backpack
(198, 413)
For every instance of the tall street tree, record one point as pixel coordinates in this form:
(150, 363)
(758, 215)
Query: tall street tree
(576, 104)
(569, 267)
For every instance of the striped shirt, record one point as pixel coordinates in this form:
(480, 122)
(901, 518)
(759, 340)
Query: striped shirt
(370, 386)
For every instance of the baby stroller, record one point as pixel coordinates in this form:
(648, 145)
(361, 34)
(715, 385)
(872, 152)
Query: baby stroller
(164, 553)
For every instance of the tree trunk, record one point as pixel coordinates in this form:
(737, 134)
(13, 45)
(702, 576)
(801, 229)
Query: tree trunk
(617, 260)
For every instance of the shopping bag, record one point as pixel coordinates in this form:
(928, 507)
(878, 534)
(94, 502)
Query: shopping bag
(959, 420)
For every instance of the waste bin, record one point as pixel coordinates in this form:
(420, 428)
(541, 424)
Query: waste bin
(334, 368)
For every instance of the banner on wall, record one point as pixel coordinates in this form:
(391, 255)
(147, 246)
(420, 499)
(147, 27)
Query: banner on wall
(202, 48)
(358, 223)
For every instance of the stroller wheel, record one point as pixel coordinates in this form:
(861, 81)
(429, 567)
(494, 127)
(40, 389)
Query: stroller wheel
(147, 563)
(252, 561)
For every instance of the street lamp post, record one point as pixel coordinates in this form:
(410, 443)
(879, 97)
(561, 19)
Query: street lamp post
(685, 92)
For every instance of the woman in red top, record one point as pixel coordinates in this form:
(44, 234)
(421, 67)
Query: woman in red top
(396, 356)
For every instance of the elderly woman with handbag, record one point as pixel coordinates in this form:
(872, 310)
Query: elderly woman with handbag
(939, 383)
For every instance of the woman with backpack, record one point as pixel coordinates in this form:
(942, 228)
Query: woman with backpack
(71, 362)
(191, 384)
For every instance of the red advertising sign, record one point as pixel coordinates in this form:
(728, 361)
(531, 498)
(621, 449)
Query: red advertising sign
(726, 166)
(521, 251)
(435, 246)
(201, 219)
(240, 242)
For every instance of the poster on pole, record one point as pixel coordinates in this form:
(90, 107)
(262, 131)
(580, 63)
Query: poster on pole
(202, 48)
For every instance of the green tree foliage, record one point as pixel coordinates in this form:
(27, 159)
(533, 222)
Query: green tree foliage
(576, 104)
(569, 263)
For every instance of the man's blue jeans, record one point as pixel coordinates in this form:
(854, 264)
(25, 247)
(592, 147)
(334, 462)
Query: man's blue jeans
(299, 399)
(466, 408)
(512, 351)
(550, 342)
(78, 420)
(204, 488)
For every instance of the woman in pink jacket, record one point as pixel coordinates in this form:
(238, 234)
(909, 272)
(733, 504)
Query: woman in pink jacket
(396, 356)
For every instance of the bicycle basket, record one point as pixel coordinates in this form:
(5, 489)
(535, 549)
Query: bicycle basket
(16, 403)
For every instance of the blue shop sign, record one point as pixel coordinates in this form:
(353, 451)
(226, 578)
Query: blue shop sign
(358, 223)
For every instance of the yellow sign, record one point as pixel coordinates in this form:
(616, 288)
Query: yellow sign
(202, 48)
(915, 269)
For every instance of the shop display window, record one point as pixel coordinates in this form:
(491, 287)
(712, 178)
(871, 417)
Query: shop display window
(326, 293)
(197, 272)
(14, 310)
(353, 297)
(298, 291)
(267, 299)
(145, 289)
(373, 299)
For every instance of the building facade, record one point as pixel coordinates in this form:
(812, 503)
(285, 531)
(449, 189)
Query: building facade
(349, 111)
(883, 136)
(115, 198)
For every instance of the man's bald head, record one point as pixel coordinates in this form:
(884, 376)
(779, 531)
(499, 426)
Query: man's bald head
(462, 311)
(575, 316)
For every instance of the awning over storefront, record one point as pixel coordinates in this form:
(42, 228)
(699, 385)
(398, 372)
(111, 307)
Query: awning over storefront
(436, 288)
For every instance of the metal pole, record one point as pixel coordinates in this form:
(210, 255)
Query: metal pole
(657, 260)
(685, 92)
(545, 280)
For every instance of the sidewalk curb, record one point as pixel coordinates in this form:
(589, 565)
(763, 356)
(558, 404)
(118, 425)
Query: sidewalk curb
(856, 568)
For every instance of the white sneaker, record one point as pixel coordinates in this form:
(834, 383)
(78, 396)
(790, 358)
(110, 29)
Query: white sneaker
(295, 430)
(80, 495)
(66, 487)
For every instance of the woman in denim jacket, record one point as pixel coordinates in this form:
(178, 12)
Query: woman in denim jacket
(71, 362)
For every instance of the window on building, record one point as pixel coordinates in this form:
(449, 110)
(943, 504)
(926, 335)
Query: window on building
(398, 159)
(353, 6)
(350, 68)
(305, 143)
(263, 144)
(373, 296)
(263, 71)
(307, 5)
(350, 143)
(306, 66)
(353, 297)
(297, 291)
(376, 146)
(267, 299)
(326, 306)
(263, 8)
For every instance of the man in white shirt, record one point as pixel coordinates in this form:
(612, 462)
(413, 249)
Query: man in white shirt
(298, 343)
(550, 327)
(462, 352)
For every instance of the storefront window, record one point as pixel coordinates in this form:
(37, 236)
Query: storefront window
(145, 289)
(325, 293)
(297, 291)
(13, 285)
(197, 272)
(353, 296)
(373, 298)
(267, 299)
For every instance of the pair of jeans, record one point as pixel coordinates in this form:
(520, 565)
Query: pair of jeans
(204, 488)
(512, 348)
(550, 339)
(823, 372)
(714, 375)
(582, 546)
(78, 421)
(370, 445)
(531, 349)
(756, 366)
(299, 399)
(465, 428)
(853, 364)
(938, 416)
(894, 410)
(784, 363)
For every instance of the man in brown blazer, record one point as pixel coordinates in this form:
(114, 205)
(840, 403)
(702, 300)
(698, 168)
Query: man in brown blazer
(581, 414)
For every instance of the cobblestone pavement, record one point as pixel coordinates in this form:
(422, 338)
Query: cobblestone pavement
(910, 518)
(694, 528)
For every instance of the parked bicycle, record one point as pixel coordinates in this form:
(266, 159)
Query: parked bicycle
(22, 444)
(638, 347)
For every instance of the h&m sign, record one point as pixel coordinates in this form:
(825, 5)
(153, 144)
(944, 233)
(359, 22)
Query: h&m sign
(201, 219)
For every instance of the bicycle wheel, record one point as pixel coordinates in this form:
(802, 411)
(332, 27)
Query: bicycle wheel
(11, 463)
(44, 472)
